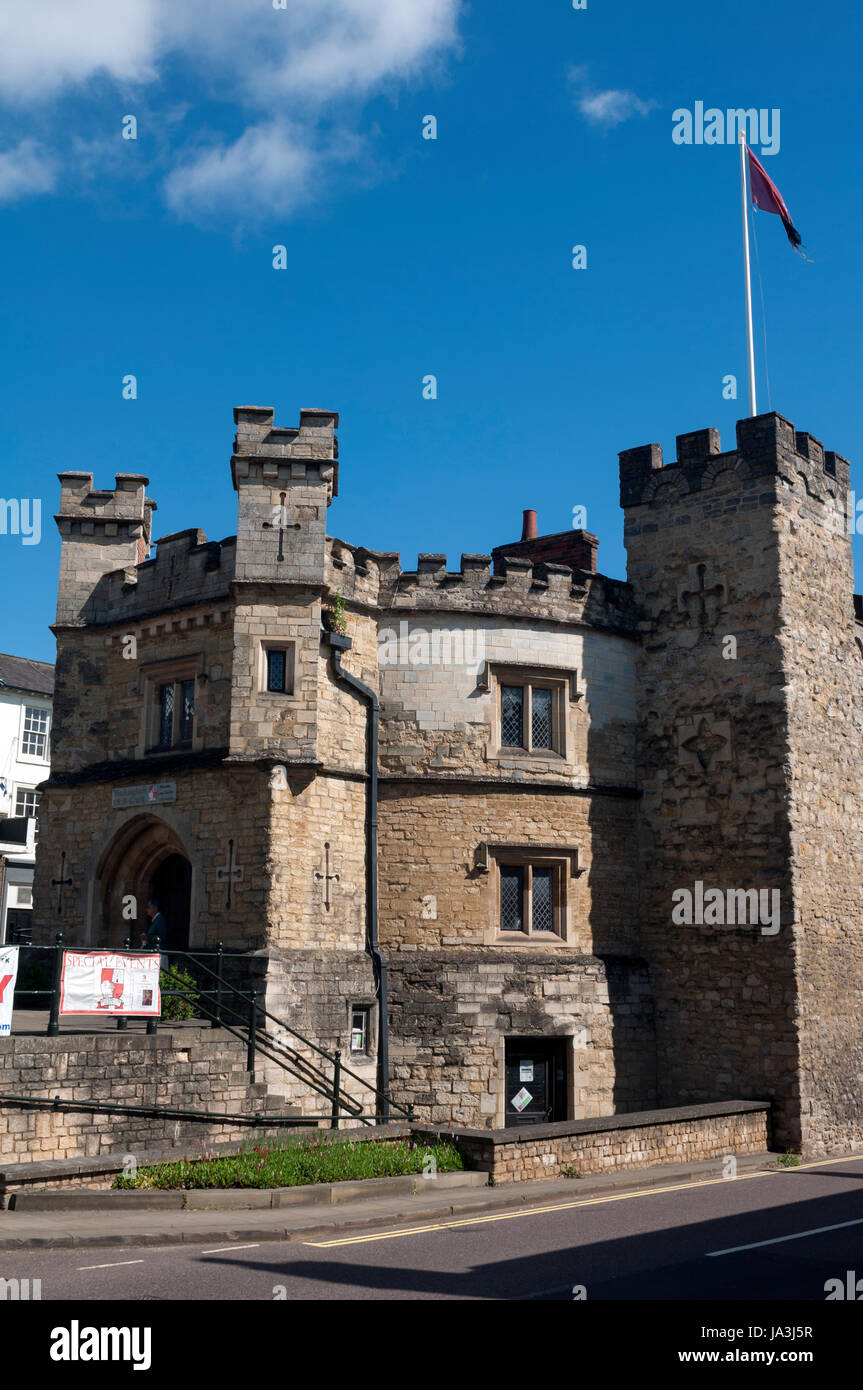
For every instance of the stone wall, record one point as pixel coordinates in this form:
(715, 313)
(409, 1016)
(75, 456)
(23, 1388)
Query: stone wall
(100, 531)
(196, 1069)
(822, 647)
(110, 853)
(279, 725)
(439, 684)
(452, 1011)
(703, 556)
(430, 837)
(313, 991)
(685, 1135)
(106, 689)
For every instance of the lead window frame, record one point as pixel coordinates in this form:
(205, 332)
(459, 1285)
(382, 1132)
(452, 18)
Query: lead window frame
(528, 866)
(563, 687)
(176, 674)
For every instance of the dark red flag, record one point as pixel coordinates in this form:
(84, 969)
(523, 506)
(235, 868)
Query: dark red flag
(766, 195)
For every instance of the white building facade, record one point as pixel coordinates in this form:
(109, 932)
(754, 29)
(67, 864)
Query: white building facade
(26, 694)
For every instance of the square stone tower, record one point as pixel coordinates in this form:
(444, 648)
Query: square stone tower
(748, 752)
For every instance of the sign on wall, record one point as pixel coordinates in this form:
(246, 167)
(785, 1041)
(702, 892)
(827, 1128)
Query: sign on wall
(110, 983)
(156, 794)
(8, 973)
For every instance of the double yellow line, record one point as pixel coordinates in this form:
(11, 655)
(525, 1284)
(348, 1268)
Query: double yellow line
(570, 1206)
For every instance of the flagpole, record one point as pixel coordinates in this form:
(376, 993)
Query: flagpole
(750, 345)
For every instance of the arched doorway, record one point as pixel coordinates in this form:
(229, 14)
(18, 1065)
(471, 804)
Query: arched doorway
(171, 886)
(146, 859)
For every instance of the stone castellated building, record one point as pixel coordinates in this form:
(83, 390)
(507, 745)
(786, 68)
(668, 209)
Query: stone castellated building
(451, 817)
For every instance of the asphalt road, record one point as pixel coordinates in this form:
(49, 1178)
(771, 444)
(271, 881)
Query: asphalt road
(768, 1237)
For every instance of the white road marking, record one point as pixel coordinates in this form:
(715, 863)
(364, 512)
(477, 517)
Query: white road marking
(658, 1191)
(223, 1248)
(778, 1240)
(115, 1265)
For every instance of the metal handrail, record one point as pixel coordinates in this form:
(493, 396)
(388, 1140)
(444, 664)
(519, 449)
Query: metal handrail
(258, 1039)
(205, 1116)
(330, 1057)
(327, 1090)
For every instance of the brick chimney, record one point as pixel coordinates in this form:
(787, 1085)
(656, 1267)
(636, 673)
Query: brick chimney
(575, 548)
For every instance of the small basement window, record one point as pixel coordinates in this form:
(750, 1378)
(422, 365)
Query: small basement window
(359, 1032)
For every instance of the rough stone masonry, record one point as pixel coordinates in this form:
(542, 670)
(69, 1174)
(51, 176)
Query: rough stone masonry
(559, 752)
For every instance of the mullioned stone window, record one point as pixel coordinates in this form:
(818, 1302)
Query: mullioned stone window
(531, 710)
(528, 890)
(170, 692)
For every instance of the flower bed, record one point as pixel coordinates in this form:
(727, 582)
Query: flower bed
(300, 1161)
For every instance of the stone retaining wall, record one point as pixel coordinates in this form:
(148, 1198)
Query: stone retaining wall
(637, 1140)
(195, 1069)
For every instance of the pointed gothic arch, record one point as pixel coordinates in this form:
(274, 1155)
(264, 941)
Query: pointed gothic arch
(145, 858)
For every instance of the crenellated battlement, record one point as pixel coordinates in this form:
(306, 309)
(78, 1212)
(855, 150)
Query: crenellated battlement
(100, 531)
(277, 455)
(186, 570)
(125, 510)
(509, 586)
(766, 445)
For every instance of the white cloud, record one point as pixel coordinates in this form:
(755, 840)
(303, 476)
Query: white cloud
(48, 46)
(362, 43)
(609, 107)
(311, 51)
(269, 168)
(25, 170)
(283, 70)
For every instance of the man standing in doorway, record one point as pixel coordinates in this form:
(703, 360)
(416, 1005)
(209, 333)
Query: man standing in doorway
(156, 935)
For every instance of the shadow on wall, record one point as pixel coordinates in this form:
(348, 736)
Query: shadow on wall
(608, 681)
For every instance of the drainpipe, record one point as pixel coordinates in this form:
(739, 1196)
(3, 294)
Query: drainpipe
(338, 644)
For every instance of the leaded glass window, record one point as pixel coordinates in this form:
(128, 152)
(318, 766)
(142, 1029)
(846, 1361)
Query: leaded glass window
(531, 899)
(512, 716)
(511, 898)
(276, 670)
(531, 717)
(541, 730)
(187, 712)
(542, 900)
(166, 715)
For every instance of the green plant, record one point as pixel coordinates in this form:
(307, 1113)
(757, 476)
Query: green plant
(339, 614)
(297, 1161)
(570, 1171)
(177, 1007)
(790, 1159)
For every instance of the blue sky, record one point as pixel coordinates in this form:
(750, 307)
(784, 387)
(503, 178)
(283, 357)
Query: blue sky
(408, 257)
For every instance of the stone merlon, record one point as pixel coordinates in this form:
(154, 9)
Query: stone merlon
(766, 445)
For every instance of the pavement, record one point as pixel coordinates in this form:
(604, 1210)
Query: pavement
(783, 1240)
(58, 1229)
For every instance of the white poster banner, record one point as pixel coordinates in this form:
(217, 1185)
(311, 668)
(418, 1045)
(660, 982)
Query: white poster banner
(110, 983)
(8, 973)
